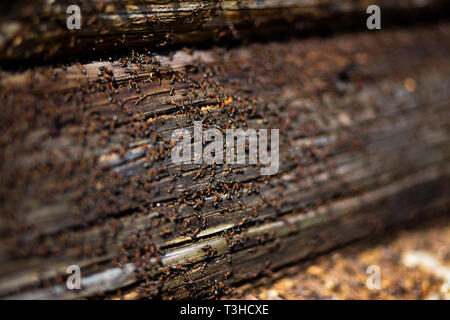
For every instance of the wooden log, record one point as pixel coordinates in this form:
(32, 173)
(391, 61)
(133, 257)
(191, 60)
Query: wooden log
(38, 29)
(87, 177)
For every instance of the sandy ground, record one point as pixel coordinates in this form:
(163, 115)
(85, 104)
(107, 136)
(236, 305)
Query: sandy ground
(411, 264)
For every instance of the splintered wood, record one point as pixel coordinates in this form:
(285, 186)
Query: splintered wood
(87, 178)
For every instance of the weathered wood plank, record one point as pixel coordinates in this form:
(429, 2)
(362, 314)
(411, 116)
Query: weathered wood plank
(87, 177)
(37, 29)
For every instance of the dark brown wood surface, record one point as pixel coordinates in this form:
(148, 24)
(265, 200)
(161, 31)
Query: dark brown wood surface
(86, 176)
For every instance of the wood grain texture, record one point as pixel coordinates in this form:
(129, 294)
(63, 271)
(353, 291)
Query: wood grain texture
(87, 177)
(37, 29)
